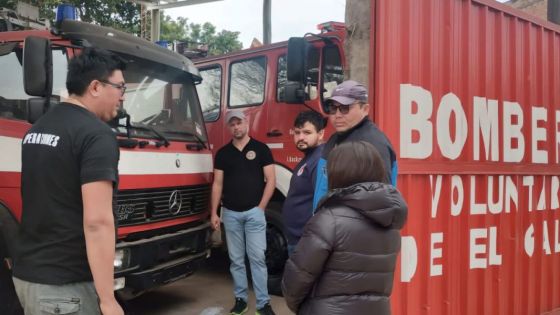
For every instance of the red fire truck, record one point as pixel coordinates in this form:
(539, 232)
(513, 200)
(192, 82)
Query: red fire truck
(468, 92)
(165, 165)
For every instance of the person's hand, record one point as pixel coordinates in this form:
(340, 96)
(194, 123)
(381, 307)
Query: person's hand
(215, 220)
(111, 307)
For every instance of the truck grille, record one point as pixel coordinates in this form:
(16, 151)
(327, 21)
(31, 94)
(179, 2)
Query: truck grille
(137, 206)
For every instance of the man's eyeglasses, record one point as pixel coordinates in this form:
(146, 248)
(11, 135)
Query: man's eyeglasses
(121, 86)
(332, 108)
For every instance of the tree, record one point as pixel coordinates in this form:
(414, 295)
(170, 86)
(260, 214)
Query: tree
(173, 30)
(218, 43)
(125, 16)
(118, 14)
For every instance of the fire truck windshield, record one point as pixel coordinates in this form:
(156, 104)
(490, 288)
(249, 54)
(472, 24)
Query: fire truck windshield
(162, 98)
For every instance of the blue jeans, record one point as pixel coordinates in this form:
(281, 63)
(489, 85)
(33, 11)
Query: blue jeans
(246, 233)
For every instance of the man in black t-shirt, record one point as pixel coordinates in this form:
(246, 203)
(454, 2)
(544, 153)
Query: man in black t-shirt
(244, 181)
(66, 244)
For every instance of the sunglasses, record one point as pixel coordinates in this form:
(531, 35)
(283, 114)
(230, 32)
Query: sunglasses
(121, 86)
(343, 109)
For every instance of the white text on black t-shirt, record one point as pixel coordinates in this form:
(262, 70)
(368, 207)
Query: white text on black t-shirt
(41, 138)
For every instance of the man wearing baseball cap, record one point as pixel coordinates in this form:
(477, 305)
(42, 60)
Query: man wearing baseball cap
(244, 182)
(348, 110)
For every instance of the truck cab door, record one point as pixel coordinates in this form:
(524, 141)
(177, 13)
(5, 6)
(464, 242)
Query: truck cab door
(282, 111)
(210, 95)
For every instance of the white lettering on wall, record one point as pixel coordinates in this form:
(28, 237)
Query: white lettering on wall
(476, 208)
(538, 135)
(541, 205)
(451, 148)
(499, 130)
(557, 144)
(554, 187)
(546, 241)
(495, 207)
(436, 192)
(530, 240)
(556, 236)
(529, 181)
(482, 255)
(436, 252)
(513, 123)
(495, 258)
(409, 258)
(485, 123)
(511, 194)
(415, 122)
(457, 186)
(477, 249)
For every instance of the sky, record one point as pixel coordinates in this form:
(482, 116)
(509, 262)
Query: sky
(289, 17)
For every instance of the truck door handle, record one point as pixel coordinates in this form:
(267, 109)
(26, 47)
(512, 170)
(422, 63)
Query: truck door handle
(274, 133)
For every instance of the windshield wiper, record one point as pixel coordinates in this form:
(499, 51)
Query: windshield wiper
(155, 132)
(123, 114)
(188, 133)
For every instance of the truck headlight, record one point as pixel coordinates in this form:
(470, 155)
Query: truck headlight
(122, 259)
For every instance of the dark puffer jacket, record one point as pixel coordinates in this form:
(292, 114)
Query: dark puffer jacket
(345, 261)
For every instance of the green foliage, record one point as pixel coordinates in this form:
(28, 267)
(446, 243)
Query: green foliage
(118, 14)
(173, 30)
(218, 43)
(124, 15)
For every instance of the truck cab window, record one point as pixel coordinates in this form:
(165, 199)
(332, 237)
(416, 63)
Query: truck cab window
(210, 92)
(13, 99)
(281, 77)
(247, 82)
(333, 73)
(312, 76)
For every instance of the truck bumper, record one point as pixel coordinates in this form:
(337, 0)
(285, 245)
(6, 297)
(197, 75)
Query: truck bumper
(151, 262)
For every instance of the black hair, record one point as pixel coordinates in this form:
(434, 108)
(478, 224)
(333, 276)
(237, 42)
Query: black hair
(354, 162)
(91, 64)
(312, 117)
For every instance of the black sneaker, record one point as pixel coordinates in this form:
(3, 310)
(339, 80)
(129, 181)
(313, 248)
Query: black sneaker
(265, 310)
(239, 308)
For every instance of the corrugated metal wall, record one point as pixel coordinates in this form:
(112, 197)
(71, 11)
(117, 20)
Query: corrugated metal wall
(469, 93)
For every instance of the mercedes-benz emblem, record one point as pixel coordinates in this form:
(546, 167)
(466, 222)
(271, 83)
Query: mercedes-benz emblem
(175, 202)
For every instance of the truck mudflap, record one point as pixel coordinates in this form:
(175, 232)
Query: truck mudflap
(154, 261)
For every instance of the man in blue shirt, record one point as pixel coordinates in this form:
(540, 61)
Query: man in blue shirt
(298, 206)
(348, 111)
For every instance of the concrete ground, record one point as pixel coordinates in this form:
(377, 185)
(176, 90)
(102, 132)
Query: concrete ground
(208, 292)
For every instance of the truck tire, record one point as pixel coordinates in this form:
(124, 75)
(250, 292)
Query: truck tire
(276, 247)
(8, 226)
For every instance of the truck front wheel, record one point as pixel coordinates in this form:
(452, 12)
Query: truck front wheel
(276, 247)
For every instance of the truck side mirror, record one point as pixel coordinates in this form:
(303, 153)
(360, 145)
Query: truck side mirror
(294, 93)
(37, 75)
(37, 66)
(296, 70)
(297, 55)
